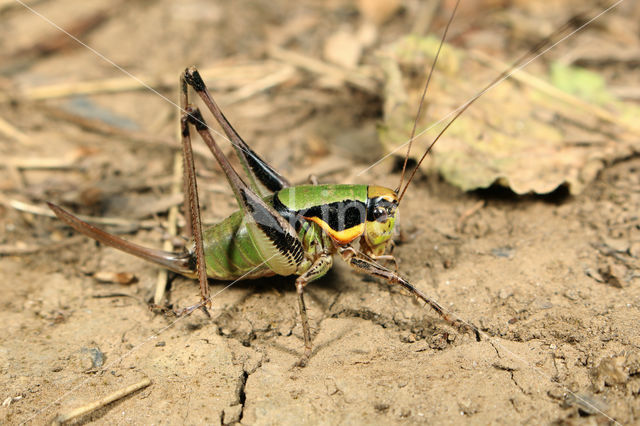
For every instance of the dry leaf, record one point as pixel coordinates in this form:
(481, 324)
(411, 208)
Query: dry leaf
(515, 135)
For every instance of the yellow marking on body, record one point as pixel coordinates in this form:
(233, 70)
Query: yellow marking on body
(375, 191)
(343, 237)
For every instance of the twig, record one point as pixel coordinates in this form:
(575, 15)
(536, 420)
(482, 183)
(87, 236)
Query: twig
(44, 211)
(61, 418)
(249, 90)
(11, 132)
(99, 126)
(172, 226)
(51, 43)
(355, 78)
(66, 162)
(111, 295)
(467, 214)
(221, 77)
(16, 250)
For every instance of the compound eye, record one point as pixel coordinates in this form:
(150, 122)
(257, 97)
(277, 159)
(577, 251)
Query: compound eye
(380, 214)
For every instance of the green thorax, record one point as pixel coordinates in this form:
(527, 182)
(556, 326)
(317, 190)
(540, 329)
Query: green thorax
(307, 196)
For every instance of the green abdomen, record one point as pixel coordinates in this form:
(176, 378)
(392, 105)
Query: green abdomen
(229, 252)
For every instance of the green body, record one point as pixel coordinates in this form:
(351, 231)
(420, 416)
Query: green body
(232, 252)
(229, 251)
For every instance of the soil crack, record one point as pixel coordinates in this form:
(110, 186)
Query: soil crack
(235, 413)
(515, 382)
(501, 365)
(242, 395)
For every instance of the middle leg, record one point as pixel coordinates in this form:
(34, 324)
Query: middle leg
(320, 267)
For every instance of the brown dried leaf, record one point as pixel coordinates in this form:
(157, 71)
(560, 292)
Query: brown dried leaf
(515, 135)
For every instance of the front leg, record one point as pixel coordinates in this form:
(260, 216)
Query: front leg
(319, 267)
(363, 263)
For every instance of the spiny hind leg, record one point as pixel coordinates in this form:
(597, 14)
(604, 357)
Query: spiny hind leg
(320, 267)
(262, 178)
(184, 103)
(192, 207)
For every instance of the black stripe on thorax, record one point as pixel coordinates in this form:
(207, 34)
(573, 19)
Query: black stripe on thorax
(339, 215)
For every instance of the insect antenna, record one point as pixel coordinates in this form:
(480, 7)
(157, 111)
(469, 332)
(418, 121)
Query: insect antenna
(570, 27)
(424, 94)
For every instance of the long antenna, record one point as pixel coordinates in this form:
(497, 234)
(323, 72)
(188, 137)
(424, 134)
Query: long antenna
(534, 52)
(424, 94)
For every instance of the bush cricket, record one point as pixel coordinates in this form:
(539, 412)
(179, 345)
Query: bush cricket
(280, 229)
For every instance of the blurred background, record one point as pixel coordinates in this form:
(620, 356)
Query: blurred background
(543, 169)
(330, 86)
